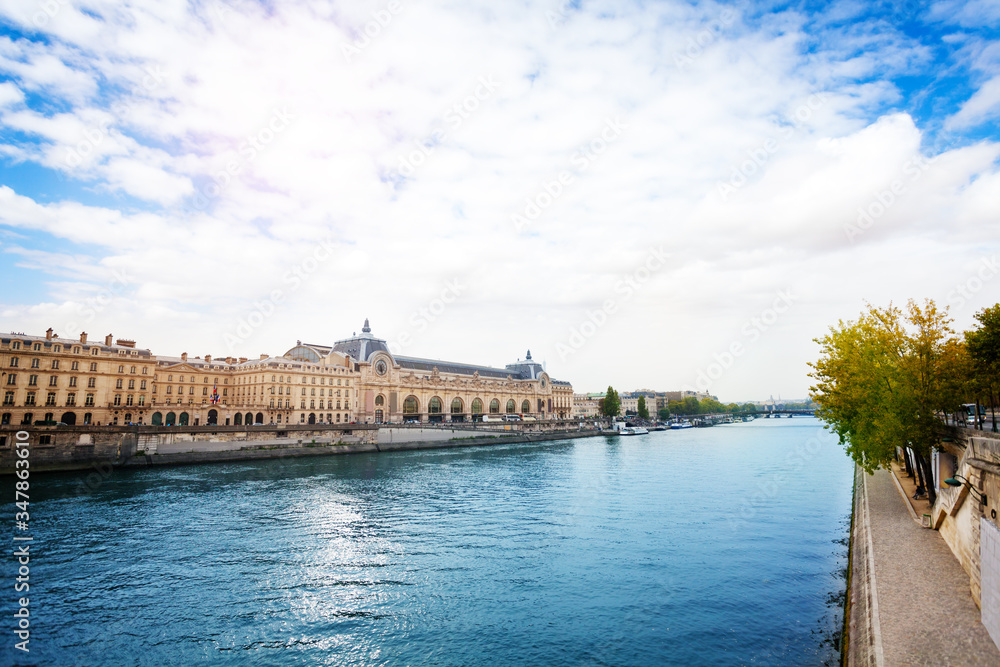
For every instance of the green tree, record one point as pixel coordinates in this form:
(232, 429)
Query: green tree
(643, 410)
(691, 406)
(611, 405)
(984, 354)
(663, 414)
(881, 381)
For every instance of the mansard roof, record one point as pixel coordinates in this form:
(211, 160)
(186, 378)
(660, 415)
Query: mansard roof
(453, 368)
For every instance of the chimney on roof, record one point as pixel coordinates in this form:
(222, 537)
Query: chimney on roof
(263, 356)
(83, 337)
(48, 334)
(243, 360)
(108, 339)
(184, 356)
(208, 358)
(124, 342)
(229, 360)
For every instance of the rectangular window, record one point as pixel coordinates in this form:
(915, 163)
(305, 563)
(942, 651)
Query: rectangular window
(32, 380)
(34, 363)
(45, 440)
(89, 400)
(72, 381)
(303, 403)
(118, 399)
(8, 398)
(13, 362)
(55, 364)
(118, 383)
(142, 384)
(128, 400)
(204, 391)
(75, 366)
(170, 389)
(191, 391)
(53, 380)
(70, 399)
(91, 383)
(12, 378)
(16, 345)
(131, 384)
(142, 400)
(50, 399)
(30, 398)
(93, 366)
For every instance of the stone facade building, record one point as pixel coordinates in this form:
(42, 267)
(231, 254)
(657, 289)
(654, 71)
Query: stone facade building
(73, 381)
(393, 388)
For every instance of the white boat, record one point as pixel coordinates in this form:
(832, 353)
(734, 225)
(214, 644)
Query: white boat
(621, 428)
(682, 424)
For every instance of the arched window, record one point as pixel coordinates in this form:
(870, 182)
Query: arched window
(171, 419)
(456, 406)
(410, 406)
(477, 407)
(380, 400)
(183, 419)
(434, 406)
(238, 419)
(495, 407)
(511, 407)
(525, 406)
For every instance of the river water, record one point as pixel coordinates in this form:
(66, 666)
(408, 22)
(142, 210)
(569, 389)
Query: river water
(719, 546)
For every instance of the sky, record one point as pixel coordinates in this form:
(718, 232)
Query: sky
(658, 195)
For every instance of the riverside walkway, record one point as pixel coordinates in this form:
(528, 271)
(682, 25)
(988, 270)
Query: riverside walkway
(917, 609)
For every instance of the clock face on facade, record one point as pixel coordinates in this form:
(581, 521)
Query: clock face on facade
(380, 367)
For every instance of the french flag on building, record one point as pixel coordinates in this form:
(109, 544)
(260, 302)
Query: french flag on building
(215, 393)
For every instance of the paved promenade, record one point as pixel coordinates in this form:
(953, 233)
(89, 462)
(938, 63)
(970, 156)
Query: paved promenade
(922, 611)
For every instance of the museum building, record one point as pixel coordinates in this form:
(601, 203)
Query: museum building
(49, 379)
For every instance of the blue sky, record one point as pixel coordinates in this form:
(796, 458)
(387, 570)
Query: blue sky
(631, 190)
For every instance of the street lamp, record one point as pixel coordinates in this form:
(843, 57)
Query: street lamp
(954, 481)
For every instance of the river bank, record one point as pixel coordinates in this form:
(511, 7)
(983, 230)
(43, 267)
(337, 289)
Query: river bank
(908, 598)
(57, 449)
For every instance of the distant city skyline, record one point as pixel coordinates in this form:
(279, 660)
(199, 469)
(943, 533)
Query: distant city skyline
(675, 195)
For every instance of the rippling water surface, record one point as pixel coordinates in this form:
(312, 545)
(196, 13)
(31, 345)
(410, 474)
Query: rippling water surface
(719, 546)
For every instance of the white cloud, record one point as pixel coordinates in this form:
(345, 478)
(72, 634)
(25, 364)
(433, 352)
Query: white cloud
(248, 137)
(983, 106)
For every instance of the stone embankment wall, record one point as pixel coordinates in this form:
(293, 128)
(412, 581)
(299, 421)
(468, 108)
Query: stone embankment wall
(860, 633)
(957, 513)
(81, 448)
